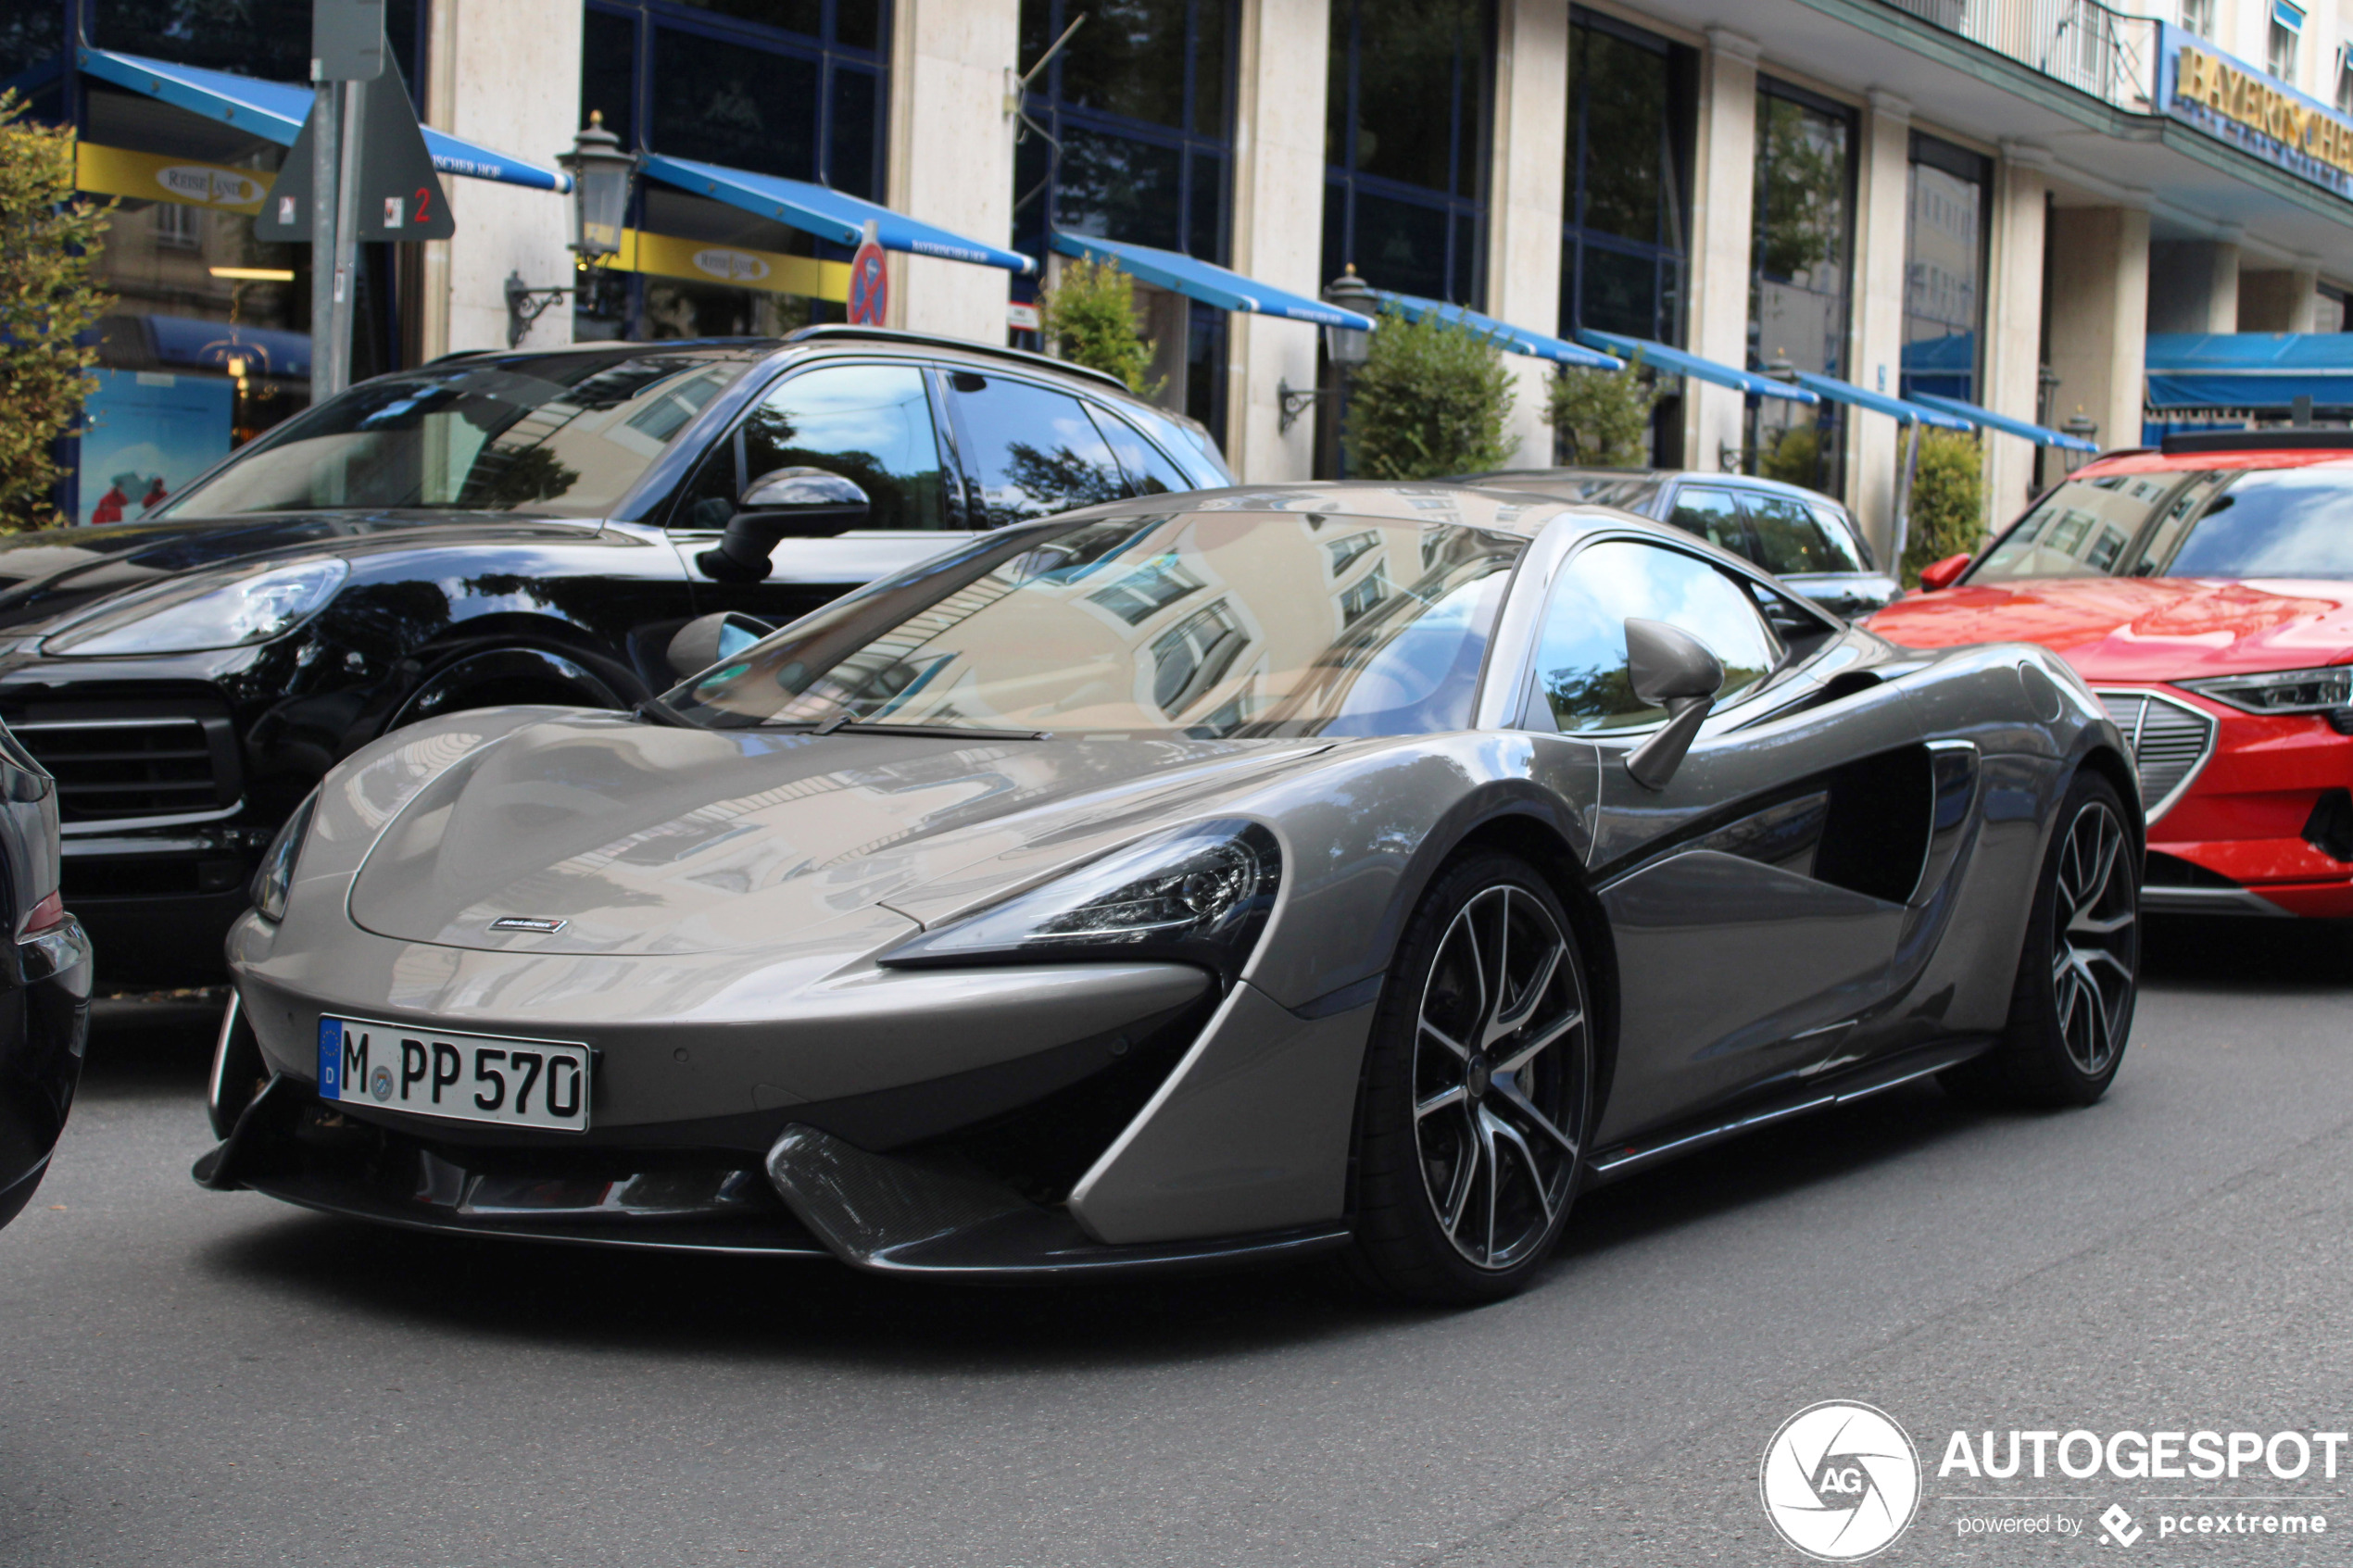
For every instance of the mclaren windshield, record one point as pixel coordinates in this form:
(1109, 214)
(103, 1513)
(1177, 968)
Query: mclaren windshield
(1208, 623)
(556, 434)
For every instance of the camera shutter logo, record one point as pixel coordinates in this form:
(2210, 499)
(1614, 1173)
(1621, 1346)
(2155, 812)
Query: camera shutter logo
(1840, 1481)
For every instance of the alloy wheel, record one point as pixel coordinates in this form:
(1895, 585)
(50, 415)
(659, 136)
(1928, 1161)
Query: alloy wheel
(2096, 938)
(1499, 1077)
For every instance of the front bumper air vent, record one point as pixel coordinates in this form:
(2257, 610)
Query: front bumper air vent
(2170, 741)
(133, 759)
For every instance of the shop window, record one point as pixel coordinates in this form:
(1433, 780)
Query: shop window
(177, 227)
(1944, 258)
(2280, 48)
(1799, 278)
(270, 39)
(1406, 141)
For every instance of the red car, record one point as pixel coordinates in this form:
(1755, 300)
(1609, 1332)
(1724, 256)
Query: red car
(2205, 592)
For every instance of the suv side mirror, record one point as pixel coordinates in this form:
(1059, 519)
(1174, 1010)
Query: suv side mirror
(708, 639)
(787, 504)
(1668, 668)
(1943, 573)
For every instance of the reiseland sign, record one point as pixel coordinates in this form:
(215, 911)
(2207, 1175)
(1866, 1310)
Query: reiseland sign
(2233, 102)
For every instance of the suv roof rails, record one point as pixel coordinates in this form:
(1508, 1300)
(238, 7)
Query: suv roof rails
(829, 331)
(2301, 439)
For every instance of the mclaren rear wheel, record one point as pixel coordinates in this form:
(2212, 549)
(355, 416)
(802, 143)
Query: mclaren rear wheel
(2072, 1007)
(1478, 1090)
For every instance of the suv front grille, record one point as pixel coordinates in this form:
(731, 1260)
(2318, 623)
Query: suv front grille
(126, 761)
(2170, 741)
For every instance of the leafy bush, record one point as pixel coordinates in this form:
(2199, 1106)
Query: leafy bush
(1088, 318)
(1604, 417)
(1431, 398)
(1948, 501)
(1795, 457)
(46, 298)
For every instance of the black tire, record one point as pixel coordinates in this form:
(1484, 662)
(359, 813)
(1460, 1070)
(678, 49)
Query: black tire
(2078, 973)
(1478, 1090)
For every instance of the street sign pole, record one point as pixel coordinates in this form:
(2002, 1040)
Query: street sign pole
(346, 250)
(346, 53)
(325, 378)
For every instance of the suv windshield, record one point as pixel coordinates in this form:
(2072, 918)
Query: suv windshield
(2079, 530)
(1214, 624)
(559, 435)
(2276, 522)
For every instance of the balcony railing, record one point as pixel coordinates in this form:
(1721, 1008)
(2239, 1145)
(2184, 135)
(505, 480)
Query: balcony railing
(2093, 48)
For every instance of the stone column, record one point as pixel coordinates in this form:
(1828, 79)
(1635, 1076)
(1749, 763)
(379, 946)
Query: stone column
(2281, 300)
(951, 157)
(505, 73)
(1723, 210)
(1279, 230)
(2014, 323)
(1528, 185)
(1875, 354)
(2099, 316)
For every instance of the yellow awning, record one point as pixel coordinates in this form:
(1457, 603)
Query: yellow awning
(117, 171)
(666, 256)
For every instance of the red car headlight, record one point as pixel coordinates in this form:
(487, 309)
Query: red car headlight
(2285, 691)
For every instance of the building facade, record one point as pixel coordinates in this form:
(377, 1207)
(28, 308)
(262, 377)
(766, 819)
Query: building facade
(1996, 202)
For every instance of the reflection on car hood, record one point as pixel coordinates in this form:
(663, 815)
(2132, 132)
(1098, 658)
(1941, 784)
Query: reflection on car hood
(2141, 629)
(642, 838)
(48, 574)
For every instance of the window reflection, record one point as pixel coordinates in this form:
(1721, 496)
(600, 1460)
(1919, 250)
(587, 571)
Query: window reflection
(1944, 269)
(1798, 285)
(1582, 659)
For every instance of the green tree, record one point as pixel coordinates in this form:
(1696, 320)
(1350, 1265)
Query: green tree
(47, 297)
(1432, 398)
(1088, 318)
(1604, 417)
(1948, 501)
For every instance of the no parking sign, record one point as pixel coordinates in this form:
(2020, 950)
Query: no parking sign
(869, 281)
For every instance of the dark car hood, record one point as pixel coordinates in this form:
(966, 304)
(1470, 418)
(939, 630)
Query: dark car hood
(2140, 628)
(643, 838)
(51, 573)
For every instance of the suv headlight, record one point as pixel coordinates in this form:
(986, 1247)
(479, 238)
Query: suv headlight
(1198, 893)
(2285, 691)
(275, 873)
(208, 611)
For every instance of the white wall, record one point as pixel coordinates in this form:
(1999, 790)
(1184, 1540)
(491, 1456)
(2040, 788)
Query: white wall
(1723, 207)
(951, 157)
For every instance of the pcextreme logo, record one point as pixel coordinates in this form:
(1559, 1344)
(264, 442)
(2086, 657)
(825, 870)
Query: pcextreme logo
(1840, 1481)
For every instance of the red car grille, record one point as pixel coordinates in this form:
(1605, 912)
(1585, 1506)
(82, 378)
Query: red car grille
(2170, 741)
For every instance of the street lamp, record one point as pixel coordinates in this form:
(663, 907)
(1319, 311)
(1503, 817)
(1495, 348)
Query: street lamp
(600, 174)
(1346, 347)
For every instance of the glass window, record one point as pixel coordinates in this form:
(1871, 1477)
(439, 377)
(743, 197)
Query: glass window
(1944, 269)
(1121, 188)
(1791, 538)
(1210, 623)
(1406, 139)
(1839, 528)
(2070, 525)
(1797, 312)
(1630, 112)
(566, 435)
(270, 39)
(1149, 472)
(746, 108)
(870, 423)
(1580, 660)
(2280, 522)
(1713, 515)
(1034, 451)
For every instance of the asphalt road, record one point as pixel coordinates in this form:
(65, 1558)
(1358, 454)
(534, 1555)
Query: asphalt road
(190, 1378)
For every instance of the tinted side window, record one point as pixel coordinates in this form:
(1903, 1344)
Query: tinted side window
(1580, 660)
(870, 423)
(1035, 451)
(1843, 534)
(1149, 471)
(1789, 538)
(1713, 515)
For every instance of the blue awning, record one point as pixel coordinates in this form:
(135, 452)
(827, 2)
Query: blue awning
(1207, 281)
(1838, 391)
(2250, 370)
(830, 215)
(267, 351)
(1986, 419)
(275, 110)
(1519, 340)
(1660, 356)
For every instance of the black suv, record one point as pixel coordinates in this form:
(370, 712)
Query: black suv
(500, 527)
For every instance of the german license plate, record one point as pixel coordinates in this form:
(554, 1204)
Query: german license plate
(463, 1077)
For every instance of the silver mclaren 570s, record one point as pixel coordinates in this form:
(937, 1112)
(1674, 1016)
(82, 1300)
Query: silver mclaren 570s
(1190, 880)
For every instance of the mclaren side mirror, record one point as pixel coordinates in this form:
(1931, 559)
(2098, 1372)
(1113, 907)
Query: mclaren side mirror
(1669, 667)
(787, 504)
(708, 639)
(1942, 573)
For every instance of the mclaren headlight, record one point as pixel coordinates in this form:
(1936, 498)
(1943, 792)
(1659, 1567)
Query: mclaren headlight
(275, 873)
(205, 610)
(1198, 893)
(2284, 691)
